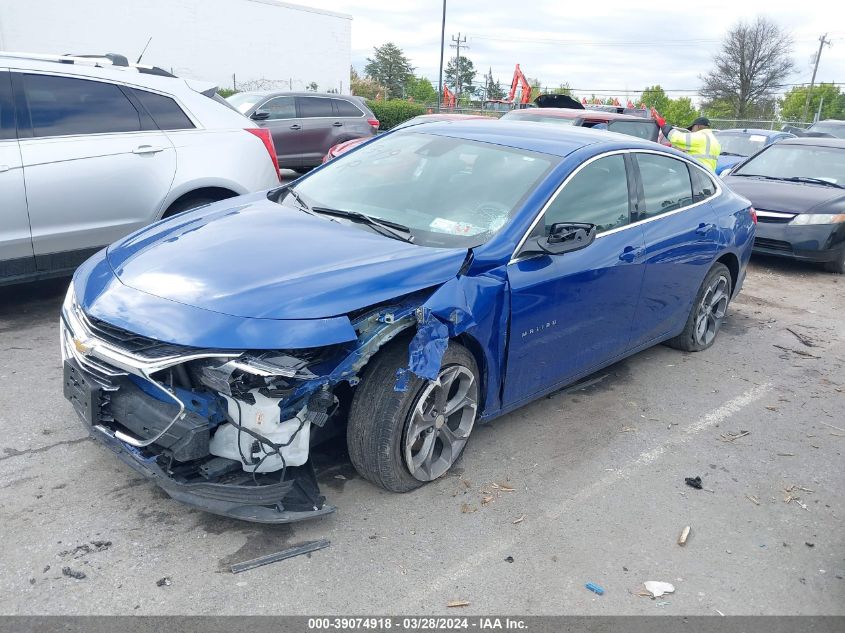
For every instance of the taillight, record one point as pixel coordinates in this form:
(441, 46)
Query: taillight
(754, 215)
(267, 139)
(373, 122)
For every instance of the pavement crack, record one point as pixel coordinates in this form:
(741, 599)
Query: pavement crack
(13, 452)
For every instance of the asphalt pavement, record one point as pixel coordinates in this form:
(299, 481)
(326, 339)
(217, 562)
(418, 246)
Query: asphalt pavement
(584, 486)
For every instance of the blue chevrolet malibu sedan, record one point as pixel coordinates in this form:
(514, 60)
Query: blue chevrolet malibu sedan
(430, 280)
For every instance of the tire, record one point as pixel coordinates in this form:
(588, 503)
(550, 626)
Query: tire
(383, 423)
(187, 204)
(711, 304)
(837, 266)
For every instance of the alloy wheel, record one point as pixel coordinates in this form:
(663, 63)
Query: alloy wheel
(440, 423)
(711, 310)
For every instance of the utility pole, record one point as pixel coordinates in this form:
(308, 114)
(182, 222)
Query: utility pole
(442, 46)
(822, 41)
(458, 42)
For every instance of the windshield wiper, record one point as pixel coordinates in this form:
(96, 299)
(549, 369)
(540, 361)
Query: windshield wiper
(815, 181)
(303, 206)
(385, 227)
(724, 153)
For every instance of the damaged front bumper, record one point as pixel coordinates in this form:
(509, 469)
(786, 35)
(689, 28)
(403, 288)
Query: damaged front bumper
(163, 433)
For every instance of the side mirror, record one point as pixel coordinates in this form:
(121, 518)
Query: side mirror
(563, 237)
(260, 115)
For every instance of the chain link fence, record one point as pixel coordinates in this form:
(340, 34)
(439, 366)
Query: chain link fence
(770, 124)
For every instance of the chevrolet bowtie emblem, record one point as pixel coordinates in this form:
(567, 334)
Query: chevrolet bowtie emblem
(82, 346)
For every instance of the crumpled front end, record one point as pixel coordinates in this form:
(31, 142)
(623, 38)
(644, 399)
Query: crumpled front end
(226, 431)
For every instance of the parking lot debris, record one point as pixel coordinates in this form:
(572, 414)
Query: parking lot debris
(693, 482)
(808, 544)
(831, 426)
(457, 603)
(801, 337)
(730, 436)
(508, 559)
(658, 588)
(682, 539)
(466, 508)
(297, 550)
(797, 351)
(164, 582)
(753, 499)
(73, 573)
(594, 588)
(519, 519)
(87, 548)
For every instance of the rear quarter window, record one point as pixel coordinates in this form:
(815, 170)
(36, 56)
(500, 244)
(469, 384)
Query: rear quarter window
(165, 111)
(312, 107)
(347, 109)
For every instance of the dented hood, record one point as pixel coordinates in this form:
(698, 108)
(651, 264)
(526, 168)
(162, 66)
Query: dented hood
(258, 259)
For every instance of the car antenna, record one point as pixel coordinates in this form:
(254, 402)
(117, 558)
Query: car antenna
(138, 61)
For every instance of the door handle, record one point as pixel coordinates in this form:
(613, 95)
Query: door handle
(147, 149)
(631, 253)
(337, 124)
(704, 228)
(296, 126)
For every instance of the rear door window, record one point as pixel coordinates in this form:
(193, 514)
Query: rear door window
(7, 113)
(645, 129)
(666, 184)
(279, 108)
(346, 109)
(165, 111)
(313, 107)
(64, 106)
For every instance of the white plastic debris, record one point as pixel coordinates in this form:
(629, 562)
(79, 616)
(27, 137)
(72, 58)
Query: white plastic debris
(657, 588)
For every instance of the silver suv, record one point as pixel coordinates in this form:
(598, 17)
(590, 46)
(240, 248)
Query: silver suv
(306, 124)
(92, 148)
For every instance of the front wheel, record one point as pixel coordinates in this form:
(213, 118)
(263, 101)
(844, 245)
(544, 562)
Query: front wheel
(837, 265)
(708, 312)
(400, 440)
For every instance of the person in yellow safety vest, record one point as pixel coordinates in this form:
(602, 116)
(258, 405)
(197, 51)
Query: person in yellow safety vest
(699, 141)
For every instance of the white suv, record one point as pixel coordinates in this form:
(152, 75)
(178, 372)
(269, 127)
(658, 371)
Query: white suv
(92, 148)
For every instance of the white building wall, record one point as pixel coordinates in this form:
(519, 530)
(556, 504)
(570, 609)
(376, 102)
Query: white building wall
(263, 43)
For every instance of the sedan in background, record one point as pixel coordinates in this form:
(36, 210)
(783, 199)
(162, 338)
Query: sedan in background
(740, 144)
(629, 124)
(798, 189)
(305, 125)
(342, 148)
(452, 273)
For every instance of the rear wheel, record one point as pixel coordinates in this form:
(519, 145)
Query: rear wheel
(401, 440)
(708, 312)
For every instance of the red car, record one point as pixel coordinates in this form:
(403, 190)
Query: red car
(344, 147)
(644, 128)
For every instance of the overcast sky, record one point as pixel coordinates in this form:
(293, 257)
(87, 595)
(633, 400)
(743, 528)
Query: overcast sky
(609, 45)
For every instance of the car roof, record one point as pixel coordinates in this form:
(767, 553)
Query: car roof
(750, 130)
(574, 113)
(535, 136)
(813, 140)
(289, 93)
(833, 121)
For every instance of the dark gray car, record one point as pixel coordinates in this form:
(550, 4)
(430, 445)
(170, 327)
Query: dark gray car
(305, 125)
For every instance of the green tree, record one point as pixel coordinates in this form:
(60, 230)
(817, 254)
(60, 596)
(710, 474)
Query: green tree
(460, 73)
(390, 68)
(562, 89)
(494, 89)
(420, 89)
(680, 112)
(833, 107)
(655, 97)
